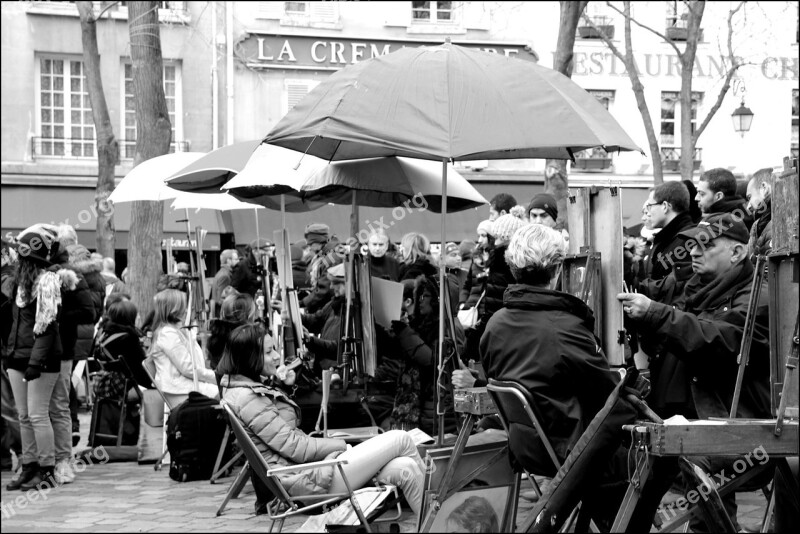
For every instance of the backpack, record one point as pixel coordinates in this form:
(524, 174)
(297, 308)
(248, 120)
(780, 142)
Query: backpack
(194, 432)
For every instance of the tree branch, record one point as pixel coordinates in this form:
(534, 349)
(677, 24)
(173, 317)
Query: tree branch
(102, 11)
(648, 28)
(728, 76)
(605, 38)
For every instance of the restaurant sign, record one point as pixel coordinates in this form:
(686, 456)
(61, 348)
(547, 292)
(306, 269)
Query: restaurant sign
(270, 51)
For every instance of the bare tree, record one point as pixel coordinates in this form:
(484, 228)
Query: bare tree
(555, 176)
(107, 146)
(153, 136)
(693, 18)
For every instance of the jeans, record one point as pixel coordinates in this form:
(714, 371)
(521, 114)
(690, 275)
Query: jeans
(33, 401)
(60, 414)
(392, 458)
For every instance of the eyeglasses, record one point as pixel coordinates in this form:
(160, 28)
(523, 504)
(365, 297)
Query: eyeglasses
(425, 296)
(649, 205)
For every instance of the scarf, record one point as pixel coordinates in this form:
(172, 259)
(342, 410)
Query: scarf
(708, 296)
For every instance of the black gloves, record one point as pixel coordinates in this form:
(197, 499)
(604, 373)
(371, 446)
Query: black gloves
(32, 373)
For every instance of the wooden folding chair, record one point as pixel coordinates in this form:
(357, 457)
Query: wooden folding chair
(285, 505)
(515, 406)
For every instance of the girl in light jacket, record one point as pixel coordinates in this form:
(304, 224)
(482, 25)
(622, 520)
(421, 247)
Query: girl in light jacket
(178, 356)
(272, 419)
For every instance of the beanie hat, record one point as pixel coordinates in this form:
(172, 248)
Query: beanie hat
(505, 225)
(546, 202)
(39, 243)
(466, 248)
(486, 226)
(451, 247)
(317, 233)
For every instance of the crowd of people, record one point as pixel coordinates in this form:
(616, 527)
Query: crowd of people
(689, 267)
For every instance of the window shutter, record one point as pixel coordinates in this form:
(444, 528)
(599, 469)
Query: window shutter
(269, 10)
(295, 91)
(324, 11)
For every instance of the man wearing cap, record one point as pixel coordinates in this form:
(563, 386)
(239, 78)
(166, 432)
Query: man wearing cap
(705, 331)
(326, 322)
(317, 236)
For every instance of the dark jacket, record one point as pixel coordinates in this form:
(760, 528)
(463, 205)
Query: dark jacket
(473, 286)
(669, 248)
(44, 348)
(127, 349)
(385, 267)
(327, 323)
(761, 232)
(499, 277)
(77, 320)
(244, 278)
(544, 340)
(271, 420)
(706, 335)
(7, 279)
(732, 205)
(421, 266)
(91, 271)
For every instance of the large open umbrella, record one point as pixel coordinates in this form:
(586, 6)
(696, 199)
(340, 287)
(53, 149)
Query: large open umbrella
(444, 103)
(146, 180)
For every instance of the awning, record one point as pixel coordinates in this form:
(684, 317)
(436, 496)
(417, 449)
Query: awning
(24, 206)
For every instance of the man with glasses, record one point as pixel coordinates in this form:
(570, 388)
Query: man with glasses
(668, 210)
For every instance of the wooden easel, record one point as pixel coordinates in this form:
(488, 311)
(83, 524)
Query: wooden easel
(595, 225)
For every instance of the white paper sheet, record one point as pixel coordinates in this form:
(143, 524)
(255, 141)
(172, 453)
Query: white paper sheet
(387, 301)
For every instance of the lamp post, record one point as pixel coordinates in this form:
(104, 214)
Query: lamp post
(742, 116)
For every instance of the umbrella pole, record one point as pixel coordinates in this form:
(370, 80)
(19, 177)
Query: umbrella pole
(442, 293)
(354, 217)
(283, 211)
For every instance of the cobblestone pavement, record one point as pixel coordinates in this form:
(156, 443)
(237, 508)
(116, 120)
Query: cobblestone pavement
(127, 497)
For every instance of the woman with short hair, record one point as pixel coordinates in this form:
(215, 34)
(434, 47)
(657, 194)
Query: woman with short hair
(177, 355)
(544, 340)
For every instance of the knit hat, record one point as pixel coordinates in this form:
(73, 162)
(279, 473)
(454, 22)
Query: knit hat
(39, 243)
(336, 273)
(505, 225)
(451, 247)
(486, 226)
(466, 248)
(546, 202)
(317, 233)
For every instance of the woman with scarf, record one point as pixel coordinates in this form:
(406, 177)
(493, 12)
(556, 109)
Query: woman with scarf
(34, 350)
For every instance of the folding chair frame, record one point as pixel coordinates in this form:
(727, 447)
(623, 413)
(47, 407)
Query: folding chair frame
(292, 504)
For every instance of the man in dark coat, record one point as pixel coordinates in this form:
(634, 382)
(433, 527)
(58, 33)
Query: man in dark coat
(759, 202)
(716, 193)
(706, 333)
(543, 339)
(670, 267)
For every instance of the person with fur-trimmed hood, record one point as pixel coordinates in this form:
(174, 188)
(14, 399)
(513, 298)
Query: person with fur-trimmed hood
(35, 349)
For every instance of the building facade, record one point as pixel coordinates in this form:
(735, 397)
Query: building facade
(233, 69)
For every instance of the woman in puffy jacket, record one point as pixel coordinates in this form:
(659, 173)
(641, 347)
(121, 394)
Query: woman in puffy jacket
(34, 349)
(178, 356)
(272, 419)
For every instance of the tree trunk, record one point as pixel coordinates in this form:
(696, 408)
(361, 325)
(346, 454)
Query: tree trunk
(107, 146)
(556, 181)
(153, 132)
(695, 10)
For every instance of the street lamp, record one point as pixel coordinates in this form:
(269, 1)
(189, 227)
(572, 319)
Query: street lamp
(742, 119)
(742, 116)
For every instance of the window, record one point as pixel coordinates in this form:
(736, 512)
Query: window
(670, 130)
(171, 92)
(295, 8)
(438, 12)
(795, 116)
(294, 91)
(595, 158)
(65, 113)
(670, 103)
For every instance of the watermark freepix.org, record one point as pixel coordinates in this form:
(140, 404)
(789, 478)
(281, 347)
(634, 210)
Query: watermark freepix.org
(740, 465)
(98, 455)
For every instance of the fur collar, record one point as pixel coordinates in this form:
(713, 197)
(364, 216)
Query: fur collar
(87, 266)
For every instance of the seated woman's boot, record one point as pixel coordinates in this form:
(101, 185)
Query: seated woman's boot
(28, 472)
